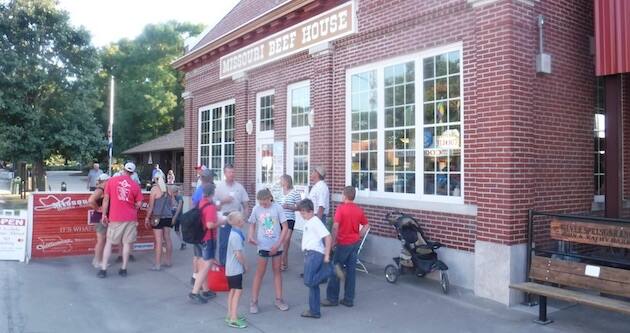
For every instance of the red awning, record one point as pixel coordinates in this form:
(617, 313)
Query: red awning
(612, 37)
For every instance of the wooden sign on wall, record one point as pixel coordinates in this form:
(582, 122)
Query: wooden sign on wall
(615, 235)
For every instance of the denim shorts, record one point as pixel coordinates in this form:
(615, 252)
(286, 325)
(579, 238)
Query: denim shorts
(208, 249)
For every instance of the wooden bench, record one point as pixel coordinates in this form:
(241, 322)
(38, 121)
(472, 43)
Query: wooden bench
(587, 282)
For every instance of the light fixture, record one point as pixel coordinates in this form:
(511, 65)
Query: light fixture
(311, 118)
(249, 127)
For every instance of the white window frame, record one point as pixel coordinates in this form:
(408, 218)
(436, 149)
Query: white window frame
(262, 138)
(419, 121)
(267, 133)
(303, 130)
(209, 108)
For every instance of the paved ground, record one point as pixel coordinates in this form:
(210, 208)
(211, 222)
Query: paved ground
(63, 295)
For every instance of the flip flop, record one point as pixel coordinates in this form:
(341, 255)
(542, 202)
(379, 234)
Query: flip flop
(284, 267)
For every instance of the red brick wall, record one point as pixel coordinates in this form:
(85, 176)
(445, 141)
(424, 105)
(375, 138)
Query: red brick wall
(528, 138)
(564, 104)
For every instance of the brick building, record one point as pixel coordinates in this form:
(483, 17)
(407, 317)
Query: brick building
(431, 107)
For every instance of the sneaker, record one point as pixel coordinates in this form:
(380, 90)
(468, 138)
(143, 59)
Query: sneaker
(253, 307)
(341, 274)
(182, 247)
(196, 298)
(208, 294)
(309, 314)
(155, 268)
(241, 318)
(237, 324)
(95, 263)
(347, 303)
(102, 273)
(122, 272)
(327, 302)
(281, 305)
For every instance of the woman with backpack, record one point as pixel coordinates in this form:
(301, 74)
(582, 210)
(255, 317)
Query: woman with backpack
(160, 218)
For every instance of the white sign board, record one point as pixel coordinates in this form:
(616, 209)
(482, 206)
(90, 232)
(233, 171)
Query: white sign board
(13, 235)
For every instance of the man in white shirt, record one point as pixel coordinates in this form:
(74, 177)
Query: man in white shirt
(319, 194)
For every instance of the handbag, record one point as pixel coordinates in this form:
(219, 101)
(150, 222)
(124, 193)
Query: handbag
(217, 281)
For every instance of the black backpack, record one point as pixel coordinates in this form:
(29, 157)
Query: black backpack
(192, 226)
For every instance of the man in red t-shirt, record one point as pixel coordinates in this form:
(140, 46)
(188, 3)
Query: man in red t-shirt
(208, 244)
(121, 199)
(346, 234)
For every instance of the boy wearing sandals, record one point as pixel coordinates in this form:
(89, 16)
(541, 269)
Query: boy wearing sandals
(316, 245)
(266, 233)
(235, 267)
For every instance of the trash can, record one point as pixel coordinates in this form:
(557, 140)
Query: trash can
(64, 187)
(15, 185)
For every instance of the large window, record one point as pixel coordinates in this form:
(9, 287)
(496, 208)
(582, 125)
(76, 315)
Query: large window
(300, 106)
(216, 136)
(265, 112)
(404, 125)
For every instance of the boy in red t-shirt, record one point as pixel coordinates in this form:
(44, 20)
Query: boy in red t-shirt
(346, 234)
(208, 245)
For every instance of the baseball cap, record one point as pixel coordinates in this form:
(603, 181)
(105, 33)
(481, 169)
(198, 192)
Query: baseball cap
(200, 167)
(320, 170)
(103, 177)
(130, 167)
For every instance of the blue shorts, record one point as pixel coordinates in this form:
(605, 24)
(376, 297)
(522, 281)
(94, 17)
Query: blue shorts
(208, 249)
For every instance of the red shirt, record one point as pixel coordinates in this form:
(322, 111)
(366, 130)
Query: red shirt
(123, 194)
(209, 214)
(349, 217)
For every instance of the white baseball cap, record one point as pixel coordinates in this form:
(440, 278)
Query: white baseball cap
(103, 177)
(130, 167)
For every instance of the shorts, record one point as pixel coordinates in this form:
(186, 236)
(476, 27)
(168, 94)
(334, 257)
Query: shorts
(122, 231)
(100, 228)
(265, 254)
(291, 224)
(197, 251)
(164, 223)
(208, 249)
(235, 281)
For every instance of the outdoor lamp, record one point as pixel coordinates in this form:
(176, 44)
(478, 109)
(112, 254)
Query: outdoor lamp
(249, 127)
(311, 118)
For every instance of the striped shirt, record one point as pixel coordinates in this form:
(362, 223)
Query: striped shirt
(290, 199)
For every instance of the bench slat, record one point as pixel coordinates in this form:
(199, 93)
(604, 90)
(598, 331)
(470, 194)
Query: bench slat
(573, 296)
(581, 281)
(572, 267)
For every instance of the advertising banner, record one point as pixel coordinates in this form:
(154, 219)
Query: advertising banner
(61, 225)
(13, 235)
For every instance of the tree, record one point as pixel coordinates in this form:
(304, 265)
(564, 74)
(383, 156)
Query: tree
(47, 93)
(148, 90)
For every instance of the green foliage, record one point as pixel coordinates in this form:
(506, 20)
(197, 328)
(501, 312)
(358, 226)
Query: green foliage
(47, 94)
(148, 90)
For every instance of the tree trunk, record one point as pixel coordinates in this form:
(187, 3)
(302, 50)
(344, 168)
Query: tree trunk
(39, 175)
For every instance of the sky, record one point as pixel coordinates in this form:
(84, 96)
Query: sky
(110, 20)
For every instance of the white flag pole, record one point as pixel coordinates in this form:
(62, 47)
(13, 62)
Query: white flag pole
(110, 130)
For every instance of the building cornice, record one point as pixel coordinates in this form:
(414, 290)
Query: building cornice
(278, 12)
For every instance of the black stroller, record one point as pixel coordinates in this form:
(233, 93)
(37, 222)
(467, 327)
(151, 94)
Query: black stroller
(417, 255)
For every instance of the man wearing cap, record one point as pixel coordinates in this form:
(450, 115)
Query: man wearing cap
(319, 194)
(121, 199)
(198, 170)
(93, 175)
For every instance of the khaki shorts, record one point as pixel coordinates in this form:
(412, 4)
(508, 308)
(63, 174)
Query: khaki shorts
(122, 231)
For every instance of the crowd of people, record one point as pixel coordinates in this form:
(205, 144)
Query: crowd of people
(330, 248)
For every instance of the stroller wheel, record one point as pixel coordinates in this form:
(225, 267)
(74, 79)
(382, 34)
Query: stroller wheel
(391, 273)
(444, 284)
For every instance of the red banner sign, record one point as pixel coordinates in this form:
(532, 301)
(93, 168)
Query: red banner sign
(61, 225)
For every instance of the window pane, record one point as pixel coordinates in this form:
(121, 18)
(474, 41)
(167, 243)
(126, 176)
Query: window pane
(455, 185)
(428, 68)
(453, 62)
(453, 110)
(453, 86)
(429, 183)
(441, 89)
(429, 91)
(429, 162)
(440, 65)
(429, 113)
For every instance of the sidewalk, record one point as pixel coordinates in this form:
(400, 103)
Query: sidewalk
(64, 295)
